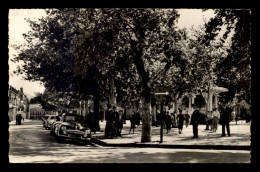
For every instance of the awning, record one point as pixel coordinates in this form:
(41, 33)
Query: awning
(219, 89)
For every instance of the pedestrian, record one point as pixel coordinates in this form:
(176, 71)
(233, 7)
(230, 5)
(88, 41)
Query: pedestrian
(195, 118)
(115, 121)
(137, 118)
(174, 120)
(187, 119)
(109, 130)
(101, 114)
(90, 119)
(211, 120)
(215, 119)
(168, 122)
(119, 122)
(237, 118)
(181, 119)
(19, 119)
(132, 121)
(95, 122)
(225, 119)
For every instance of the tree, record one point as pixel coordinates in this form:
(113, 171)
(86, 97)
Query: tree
(137, 30)
(234, 71)
(52, 54)
(81, 52)
(43, 101)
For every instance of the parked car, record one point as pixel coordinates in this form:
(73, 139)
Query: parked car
(71, 127)
(54, 124)
(51, 120)
(46, 120)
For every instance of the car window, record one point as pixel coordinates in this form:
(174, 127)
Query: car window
(53, 117)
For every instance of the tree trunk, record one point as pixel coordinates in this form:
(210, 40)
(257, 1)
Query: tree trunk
(153, 107)
(146, 97)
(96, 112)
(146, 121)
(112, 99)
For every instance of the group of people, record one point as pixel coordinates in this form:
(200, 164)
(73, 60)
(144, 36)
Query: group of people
(19, 118)
(92, 121)
(114, 122)
(213, 119)
(175, 120)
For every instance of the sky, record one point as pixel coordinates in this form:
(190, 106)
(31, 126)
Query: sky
(18, 26)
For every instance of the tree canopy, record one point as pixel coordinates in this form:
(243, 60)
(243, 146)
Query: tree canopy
(82, 54)
(234, 71)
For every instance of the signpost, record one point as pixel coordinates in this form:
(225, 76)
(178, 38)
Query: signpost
(162, 122)
(161, 95)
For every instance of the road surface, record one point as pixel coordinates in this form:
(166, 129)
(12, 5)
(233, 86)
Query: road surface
(30, 143)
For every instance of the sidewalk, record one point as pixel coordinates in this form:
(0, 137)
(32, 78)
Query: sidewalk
(25, 121)
(239, 140)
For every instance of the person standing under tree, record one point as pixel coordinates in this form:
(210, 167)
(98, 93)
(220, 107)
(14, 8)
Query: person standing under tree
(174, 121)
(119, 122)
(225, 118)
(101, 113)
(168, 122)
(209, 120)
(137, 118)
(132, 120)
(95, 121)
(237, 118)
(195, 118)
(216, 117)
(90, 119)
(18, 117)
(187, 119)
(181, 119)
(109, 130)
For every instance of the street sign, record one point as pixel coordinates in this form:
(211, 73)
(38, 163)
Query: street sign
(161, 94)
(166, 93)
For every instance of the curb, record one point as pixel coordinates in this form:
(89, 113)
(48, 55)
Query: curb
(143, 145)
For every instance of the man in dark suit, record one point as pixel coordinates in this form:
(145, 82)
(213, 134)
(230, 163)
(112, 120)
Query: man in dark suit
(226, 111)
(195, 119)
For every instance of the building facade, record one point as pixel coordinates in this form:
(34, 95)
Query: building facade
(36, 111)
(18, 103)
